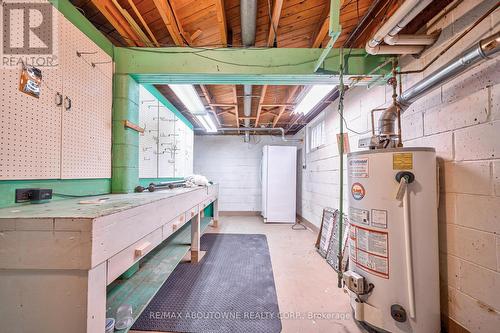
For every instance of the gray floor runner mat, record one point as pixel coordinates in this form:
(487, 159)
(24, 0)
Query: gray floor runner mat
(231, 290)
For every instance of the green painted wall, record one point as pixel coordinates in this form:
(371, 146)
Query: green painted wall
(146, 181)
(209, 210)
(78, 187)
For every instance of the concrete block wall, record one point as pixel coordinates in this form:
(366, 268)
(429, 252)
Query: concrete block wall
(461, 120)
(235, 166)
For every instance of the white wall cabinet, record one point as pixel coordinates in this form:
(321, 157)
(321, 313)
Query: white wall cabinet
(43, 140)
(86, 126)
(166, 146)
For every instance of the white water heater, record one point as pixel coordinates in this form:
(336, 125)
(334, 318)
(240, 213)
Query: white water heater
(393, 276)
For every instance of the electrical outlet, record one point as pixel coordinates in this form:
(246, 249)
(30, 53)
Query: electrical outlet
(35, 195)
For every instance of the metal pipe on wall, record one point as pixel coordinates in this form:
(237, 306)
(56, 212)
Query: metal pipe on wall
(485, 49)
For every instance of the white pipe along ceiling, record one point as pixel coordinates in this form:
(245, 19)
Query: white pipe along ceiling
(400, 44)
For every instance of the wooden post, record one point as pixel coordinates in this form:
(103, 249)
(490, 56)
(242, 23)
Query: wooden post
(195, 238)
(215, 222)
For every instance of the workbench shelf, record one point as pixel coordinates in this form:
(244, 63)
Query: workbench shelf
(154, 270)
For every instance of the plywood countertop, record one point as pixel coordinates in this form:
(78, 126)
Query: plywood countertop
(73, 209)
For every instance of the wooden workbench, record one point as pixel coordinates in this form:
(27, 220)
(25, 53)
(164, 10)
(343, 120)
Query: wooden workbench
(57, 259)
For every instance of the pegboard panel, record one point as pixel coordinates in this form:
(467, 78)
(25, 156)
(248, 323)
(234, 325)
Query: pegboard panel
(29, 127)
(148, 143)
(86, 127)
(167, 144)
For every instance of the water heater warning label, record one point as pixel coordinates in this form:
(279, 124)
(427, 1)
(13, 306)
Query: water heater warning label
(358, 167)
(369, 249)
(402, 161)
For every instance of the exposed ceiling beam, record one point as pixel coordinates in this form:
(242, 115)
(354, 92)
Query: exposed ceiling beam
(321, 34)
(143, 22)
(259, 107)
(291, 97)
(113, 15)
(275, 18)
(168, 18)
(277, 66)
(274, 105)
(223, 104)
(208, 98)
(221, 20)
(235, 97)
(133, 24)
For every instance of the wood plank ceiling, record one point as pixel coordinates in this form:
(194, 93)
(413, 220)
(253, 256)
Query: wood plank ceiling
(216, 23)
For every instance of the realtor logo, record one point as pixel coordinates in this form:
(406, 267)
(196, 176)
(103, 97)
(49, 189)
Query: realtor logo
(29, 33)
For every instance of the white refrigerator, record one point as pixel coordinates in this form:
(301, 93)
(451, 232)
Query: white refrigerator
(279, 176)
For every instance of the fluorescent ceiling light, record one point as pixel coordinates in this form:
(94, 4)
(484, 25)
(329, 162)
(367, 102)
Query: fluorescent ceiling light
(207, 122)
(313, 97)
(189, 97)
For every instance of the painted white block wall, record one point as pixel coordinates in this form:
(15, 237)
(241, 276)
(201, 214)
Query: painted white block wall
(461, 120)
(235, 166)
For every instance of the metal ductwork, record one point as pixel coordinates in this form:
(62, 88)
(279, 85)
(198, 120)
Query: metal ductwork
(485, 49)
(247, 107)
(248, 14)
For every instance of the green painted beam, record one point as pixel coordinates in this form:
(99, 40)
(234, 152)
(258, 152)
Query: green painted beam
(74, 187)
(240, 66)
(76, 17)
(166, 103)
(334, 30)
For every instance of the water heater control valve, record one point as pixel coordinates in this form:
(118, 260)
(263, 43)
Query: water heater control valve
(354, 282)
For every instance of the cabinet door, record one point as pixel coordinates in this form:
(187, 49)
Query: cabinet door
(30, 128)
(86, 126)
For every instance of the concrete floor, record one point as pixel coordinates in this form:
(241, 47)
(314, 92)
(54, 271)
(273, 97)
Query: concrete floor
(306, 285)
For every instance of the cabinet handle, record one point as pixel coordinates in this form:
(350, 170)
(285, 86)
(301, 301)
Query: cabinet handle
(141, 250)
(58, 99)
(67, 103)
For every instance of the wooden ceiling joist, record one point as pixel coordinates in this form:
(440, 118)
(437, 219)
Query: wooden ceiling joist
(291, 97)
(113, 15)
(168, 18)
(133, 24)
(208, 98)
(143, 22)
(323, 31)
(273, 26)
(237, 115)
(259, 107)
(221, 19)
(223, 104)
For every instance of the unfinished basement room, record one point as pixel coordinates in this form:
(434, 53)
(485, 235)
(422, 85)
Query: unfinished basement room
(250, 166)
